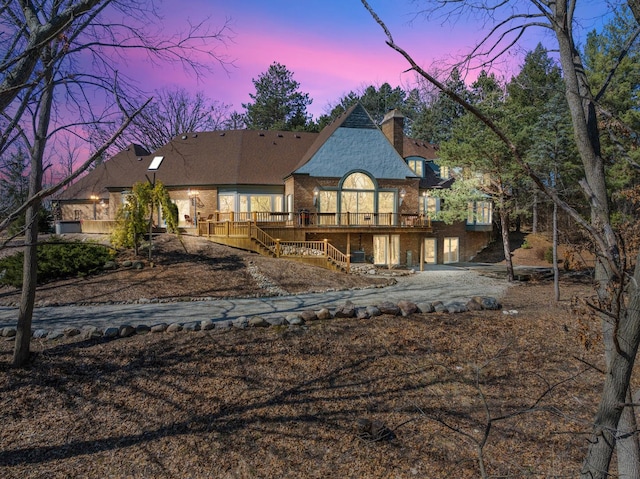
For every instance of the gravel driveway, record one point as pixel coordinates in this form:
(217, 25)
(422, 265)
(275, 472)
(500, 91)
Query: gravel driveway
(438, 283)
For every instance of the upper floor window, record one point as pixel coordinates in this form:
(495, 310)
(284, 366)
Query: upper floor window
(429, 205)
(417, 166)
(358, 181)
(480, 213)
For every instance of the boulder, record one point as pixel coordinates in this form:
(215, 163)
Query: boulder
(348, 310)
(91, 332)
(40, 333)
(126, 330)
(111, 332)
(207, 325)
(8, 332)
(295, 320)
(258, 322)
(387, 307)
(324, 313)
(57, 334)
(473, 305)
(142, 329)
(407, 307)
(455, 307)
(242, 322)
(71, 332)
(373, 311)
(361, 313)
(425, 307)
(438, 307)
(110, 266)
(308, 315)
(159, 328)
(489, 303)
(191, 326)
(174, 328)
(277, 321)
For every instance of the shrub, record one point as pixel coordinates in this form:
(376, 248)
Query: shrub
(548, 255)
(56, 260)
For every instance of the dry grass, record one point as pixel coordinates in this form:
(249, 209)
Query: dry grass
(284, 402)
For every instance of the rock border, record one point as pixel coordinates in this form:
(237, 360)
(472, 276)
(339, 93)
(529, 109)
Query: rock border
(347, 310)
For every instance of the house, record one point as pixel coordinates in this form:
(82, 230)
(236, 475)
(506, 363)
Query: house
(354, 192)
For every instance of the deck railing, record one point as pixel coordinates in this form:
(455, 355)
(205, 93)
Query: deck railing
(319, 220)
(279, 248)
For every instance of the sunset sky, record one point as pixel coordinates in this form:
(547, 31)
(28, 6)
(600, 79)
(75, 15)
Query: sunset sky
(331, 46)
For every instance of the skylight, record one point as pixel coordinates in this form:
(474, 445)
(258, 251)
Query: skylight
(155, 163)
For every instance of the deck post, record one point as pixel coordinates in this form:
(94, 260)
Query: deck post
(421, 253)
(226, 227)
(277, 247)
(326, 248)
(348, 252)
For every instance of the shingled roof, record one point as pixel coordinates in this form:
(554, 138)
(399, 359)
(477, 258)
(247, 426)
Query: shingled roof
(233, 157)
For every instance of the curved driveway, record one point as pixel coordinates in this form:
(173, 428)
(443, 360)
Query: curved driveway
(438, 283)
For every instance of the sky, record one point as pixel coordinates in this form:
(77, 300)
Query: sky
(331, 46)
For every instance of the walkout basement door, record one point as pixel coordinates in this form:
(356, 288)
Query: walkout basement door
(386, 250)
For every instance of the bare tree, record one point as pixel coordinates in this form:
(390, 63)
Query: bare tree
(617, 288)
(173, 111)
(46, 80)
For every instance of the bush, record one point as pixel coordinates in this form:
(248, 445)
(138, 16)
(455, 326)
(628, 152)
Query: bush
(548, 255)
(57, 260)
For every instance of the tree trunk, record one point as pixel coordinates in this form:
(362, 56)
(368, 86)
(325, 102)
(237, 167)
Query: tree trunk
(30, 265)
(504, 220)
(556, 270)
(29, 281)
(622, 336)
(534, 221)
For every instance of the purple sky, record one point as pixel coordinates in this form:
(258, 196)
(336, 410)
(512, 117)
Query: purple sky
(331, 46)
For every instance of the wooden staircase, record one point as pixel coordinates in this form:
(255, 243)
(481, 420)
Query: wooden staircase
(247, 235)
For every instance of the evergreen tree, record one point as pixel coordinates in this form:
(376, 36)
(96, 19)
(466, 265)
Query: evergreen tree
(277, 103)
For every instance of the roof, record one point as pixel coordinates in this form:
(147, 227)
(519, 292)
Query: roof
(419, 148)
(353, 142)
(105, 174)
(231, 157)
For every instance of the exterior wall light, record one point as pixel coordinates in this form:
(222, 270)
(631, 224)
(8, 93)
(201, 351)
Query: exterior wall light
(403, 193)
(316, 192)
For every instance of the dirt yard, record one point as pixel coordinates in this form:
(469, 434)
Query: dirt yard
(293, 402)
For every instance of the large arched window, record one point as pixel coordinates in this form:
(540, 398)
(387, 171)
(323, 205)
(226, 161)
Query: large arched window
(358, 194)
(357, 200)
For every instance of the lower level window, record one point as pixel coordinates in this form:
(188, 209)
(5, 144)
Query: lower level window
(386, 249)
(430, 256)
(451, 250)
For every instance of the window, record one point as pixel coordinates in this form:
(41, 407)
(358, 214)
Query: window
(445, 172)
(226, 203)
(417, 166)
(430, 255)
(429, 206)
(450, 253)
(480, 212)
(357, 198)
(155, 163)
(386, 249)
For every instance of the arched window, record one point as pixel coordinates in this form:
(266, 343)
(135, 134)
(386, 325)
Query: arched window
(358, 194)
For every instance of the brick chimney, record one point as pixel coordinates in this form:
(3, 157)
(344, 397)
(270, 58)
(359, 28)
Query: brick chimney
(393, 128)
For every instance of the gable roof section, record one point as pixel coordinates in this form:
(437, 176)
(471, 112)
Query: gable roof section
(353, 142)
(234, 157)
